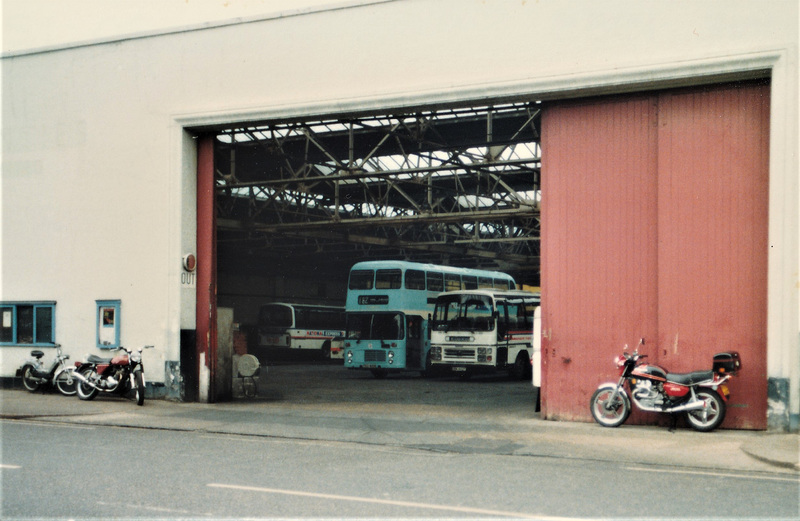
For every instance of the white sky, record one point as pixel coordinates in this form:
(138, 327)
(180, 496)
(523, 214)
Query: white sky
(30, 24)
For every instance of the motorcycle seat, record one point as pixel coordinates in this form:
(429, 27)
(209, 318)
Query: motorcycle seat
(690, 378)
(37, 354)
(94, 359)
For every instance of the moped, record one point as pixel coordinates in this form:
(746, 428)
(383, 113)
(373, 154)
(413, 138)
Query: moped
(35, 375)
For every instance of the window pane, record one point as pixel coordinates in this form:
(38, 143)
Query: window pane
(485, 282)
(387, 326)
(388, 279)
(503, 283)
(452, 282)
(24, 324)
(435, 281)
(470, 282)
(276, 316)
(44, 325)
(477, 312)
(415, 279)
(302, 318)
(6, 324)
(361, 279)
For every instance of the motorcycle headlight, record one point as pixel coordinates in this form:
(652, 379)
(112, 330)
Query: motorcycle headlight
(136, 357)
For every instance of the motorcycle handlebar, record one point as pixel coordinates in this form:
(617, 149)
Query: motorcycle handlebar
(130, 351)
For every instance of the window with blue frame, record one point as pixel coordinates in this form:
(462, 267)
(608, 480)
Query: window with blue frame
(27, 323)
(108, 324)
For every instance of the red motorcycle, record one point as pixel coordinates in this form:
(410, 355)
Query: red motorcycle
(701, 395)
(119, 374)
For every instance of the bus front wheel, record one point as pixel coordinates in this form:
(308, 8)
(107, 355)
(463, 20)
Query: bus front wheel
(379, 373)
(521, 366)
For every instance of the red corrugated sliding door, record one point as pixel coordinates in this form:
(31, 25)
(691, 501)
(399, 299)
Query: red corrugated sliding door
(654, 225)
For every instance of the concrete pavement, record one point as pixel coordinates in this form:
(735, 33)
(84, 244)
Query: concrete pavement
(424, 428)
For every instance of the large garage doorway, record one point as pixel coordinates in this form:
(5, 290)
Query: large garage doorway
(298, 202)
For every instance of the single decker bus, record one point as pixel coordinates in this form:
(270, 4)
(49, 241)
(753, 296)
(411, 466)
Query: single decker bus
(389, 304)
(482, 331)
(287, 326)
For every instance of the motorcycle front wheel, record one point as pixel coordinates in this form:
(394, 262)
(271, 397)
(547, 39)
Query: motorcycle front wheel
(66, 383)
(711, 415)
(606, 413)
(28, 381)
(138, 380)
(86, 391)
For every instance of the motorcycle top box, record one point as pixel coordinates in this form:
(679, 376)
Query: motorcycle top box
(725, 363)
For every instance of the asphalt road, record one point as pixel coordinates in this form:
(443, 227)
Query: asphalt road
(84, 471)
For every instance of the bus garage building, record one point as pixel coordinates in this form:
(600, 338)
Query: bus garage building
(637, 161)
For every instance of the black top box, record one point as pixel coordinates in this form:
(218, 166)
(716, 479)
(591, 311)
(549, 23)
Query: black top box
(727, 362)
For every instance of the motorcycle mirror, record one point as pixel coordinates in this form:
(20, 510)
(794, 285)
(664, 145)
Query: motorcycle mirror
(642, 341)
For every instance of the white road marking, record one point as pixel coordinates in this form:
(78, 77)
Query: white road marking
(2, 466)
(151, 508)
(409, 504)
(717, 474)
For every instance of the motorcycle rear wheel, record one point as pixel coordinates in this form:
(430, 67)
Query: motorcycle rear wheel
(711, 415)
(28, 381)
(609, 415)
(86, 391)
(138, 380)
(66, 383)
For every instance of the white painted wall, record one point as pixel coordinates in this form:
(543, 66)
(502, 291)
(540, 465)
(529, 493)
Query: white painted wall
(98, 171)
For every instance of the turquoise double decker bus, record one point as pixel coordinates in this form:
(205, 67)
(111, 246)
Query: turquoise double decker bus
(388, 306)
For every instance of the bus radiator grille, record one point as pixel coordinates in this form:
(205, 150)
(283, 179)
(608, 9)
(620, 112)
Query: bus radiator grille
(374, 356)
(460, 354)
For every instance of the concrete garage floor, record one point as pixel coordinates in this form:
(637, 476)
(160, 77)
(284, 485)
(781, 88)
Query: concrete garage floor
(328, 385)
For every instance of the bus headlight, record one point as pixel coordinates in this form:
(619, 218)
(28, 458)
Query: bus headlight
(484, 354)
(349, 356)
(390, 357)
(436, 352)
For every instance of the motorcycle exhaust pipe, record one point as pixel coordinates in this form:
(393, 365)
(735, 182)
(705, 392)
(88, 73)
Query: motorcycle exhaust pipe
(79, 376)
(83, 379)
(110, 382)
(691, 406)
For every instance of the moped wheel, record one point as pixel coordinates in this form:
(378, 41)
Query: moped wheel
(28, 381)
(606, 413)
(66, 383)
(138, 380)
(711, 415)
(86, 391)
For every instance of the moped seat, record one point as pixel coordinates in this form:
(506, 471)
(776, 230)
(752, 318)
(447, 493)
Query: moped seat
(94, 359)
(690, 378)
(37, 353)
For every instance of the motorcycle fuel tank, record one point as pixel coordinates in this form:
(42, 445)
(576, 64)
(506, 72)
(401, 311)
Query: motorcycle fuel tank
(650, 371)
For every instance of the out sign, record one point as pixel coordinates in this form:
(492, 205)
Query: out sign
(188, 276)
